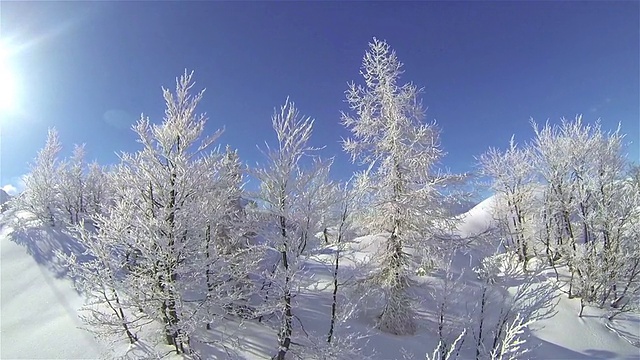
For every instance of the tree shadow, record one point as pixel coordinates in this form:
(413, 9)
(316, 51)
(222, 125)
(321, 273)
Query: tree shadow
(630, 332)
(542, 349)
(236, 340)
(43, 242)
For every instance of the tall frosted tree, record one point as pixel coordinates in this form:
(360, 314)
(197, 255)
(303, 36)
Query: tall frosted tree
(294, 199)
(98, 192)
(42, 183)
(512, 174)
(164, 249)
(73, 184)
(399, 149)
(561, 159)
(165, 199)
(230, 176)
(227, 238)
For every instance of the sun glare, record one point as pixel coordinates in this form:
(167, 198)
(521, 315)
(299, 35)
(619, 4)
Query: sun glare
(7, 82)
(7, 89)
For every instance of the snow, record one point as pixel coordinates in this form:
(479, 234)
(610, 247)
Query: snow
(39, 305)
(566, 336)
(477, 220)
(39, 317)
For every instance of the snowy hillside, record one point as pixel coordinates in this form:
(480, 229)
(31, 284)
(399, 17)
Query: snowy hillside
(39, 305)
(4, 198)
(40, 320)
(564, 335)
(478, 219)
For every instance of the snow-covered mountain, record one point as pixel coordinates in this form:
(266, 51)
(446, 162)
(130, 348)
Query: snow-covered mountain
(4, 198)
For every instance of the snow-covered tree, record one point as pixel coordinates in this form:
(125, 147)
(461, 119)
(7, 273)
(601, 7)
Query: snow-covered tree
(511, 347)
(166, 198)
(227, 237)
(292, 203)
(512, 173)
(97, 275)
(41, 184)
(64, 189)
(561, 157)
(167, 181)
(344, 207)
(231, 182)
(317, 196)
(399, 150)
(625, 296)
(581, 205)
(72, 185)
(500, 315)
(589, 207)
(98, 191)
(608, 210)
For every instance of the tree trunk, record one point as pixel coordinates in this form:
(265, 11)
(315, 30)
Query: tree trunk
(286, 329)
(210, 285)
(334, 303)
(481, 321)
(120, 313)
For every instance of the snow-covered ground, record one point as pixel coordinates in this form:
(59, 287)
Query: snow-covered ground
(39, 318)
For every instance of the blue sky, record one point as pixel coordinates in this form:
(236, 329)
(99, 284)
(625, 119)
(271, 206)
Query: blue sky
(91, 68)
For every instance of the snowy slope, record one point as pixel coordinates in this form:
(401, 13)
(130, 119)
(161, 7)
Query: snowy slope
(477, 220)
(565, 335)
(39, 310)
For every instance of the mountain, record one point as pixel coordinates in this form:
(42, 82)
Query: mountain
(4, 198)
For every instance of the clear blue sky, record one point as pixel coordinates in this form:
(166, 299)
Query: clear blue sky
(91, 68)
